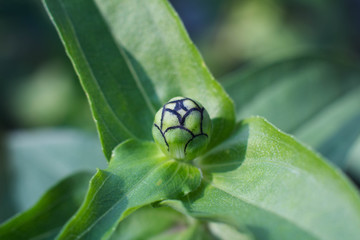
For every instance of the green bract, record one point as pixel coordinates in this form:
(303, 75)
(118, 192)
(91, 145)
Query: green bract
(182, 128)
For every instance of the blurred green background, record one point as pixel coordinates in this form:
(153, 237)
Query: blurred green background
(46, 124)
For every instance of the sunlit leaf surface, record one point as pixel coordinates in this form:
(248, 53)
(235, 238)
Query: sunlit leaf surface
(138, 174)
(264, 180)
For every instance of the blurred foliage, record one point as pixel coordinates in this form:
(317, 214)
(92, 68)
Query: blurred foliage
(353, 164)
(34, 160)
(49, 97)
(263, 30)
(39, 88)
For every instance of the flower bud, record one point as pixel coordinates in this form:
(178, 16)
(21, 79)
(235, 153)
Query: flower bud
(182, 128)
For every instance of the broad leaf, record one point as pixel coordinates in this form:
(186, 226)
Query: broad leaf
(316, 98)
(264, 180)
(37, 159)
(138, 174)
(132, 56)
(46, 218)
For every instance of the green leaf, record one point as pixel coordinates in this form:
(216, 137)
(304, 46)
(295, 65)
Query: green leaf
(314, 97)
(149, 222)
(132, 56)
(264, 180)
(138, 174)
(37, 159)
(45, 219)
(160, 223)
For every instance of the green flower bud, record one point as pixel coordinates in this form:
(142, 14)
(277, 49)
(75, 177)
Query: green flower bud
(182, 128)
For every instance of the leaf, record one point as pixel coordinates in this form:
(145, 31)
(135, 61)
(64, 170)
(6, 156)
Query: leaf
(314, 97)
(138, 174)
(149, 222)
(37, 159)
(264, 180)
(160, 223)
(45, 219)
(132, 56)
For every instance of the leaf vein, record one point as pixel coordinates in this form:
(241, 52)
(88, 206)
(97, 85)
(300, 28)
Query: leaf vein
(91, 71)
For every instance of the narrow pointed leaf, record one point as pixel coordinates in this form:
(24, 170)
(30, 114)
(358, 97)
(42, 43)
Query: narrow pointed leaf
(132, 56)
(138, 174)
(264, 180)
(46, 218)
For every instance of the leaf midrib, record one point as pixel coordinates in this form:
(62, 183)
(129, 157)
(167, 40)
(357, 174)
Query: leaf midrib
(171, 60)
(131, 68)
(90, 69)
